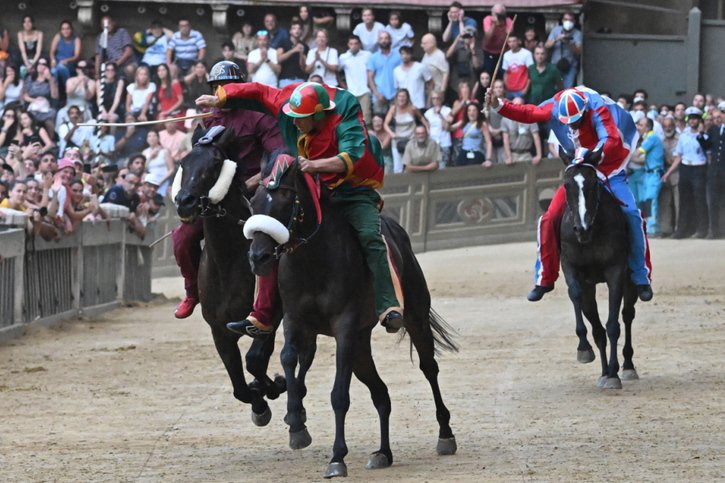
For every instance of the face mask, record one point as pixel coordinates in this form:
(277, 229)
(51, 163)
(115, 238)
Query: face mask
(568, 25)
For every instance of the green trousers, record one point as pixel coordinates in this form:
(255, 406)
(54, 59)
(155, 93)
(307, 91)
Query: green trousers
(361, 211)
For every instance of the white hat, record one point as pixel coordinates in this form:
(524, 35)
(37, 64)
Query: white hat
(693, 111)
(152, 178)
(721, 106)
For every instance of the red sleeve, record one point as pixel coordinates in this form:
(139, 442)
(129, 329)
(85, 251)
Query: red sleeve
(527, 113)
(253, 96)
(176, 88)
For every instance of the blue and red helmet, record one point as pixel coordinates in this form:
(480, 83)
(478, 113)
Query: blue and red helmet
(572, 106)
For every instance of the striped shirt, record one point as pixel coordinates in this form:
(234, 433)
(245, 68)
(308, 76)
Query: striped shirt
(117, 43)
(187, 48)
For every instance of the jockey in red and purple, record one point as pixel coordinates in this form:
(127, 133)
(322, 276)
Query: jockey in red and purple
(580, 117)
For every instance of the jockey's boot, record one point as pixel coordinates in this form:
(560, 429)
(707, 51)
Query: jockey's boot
(645, 292)
(393, 321)
(186, 307)
(538, 292)
(247, 327)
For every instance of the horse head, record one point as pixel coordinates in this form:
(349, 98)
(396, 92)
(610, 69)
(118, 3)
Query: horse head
(279, 207)
(205, 174)
(582, 191)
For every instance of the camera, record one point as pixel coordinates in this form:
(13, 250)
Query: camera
(501, 17)
(42, 211)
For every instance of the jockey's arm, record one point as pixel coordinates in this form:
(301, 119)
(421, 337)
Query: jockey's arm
(609, 139)
(526, 113)
(252, 95)
(323, 165)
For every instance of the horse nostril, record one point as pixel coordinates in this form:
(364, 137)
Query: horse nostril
(187, 201)
(259, 258)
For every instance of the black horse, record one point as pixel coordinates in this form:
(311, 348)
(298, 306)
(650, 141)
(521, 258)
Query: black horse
(327, 289)
(206, 186)
(594, 249)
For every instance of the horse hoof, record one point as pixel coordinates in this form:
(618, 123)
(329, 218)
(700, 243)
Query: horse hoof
(304, 417)
(630, 375)
(613, 383)
(601, 381)
(378, 460)
(447, 446)
(300, 439)
(585, 357)
(335, 469)
(262, 419)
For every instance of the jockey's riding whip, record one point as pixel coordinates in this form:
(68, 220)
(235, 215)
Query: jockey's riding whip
(146, 123)
(159, 240)
(500, 55)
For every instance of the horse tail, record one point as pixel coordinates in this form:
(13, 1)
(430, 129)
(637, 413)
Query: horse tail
(442, 333)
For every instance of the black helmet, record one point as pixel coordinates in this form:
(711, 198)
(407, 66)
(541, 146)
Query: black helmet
(225, 71)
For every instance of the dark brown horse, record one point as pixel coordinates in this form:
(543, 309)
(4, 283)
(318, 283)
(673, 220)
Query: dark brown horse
(327, 289)
(206, 187)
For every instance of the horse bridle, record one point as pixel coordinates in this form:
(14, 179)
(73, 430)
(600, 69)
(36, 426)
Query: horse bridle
(297, 216)
(599, 188)
(207, 209)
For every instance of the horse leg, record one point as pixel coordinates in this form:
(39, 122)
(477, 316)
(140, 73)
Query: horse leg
(615, 282)
(226, 346)
(294, 341)
(422, 338)
(584, 352)
(630, 298)
(340, 397)
(365, 371)
(591, 312)
(257, 359)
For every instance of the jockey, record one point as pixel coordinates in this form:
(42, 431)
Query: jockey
(325, 128)
(580, 117)
(263, 137)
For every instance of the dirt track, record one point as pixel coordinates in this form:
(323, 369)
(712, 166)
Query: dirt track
(139, 396)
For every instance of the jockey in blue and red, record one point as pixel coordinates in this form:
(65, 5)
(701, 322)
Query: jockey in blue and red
(580, 117)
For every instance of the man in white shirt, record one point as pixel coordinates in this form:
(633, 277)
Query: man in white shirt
(262, 62)
(515, 66)
(437, 117)
(413, 76)
(368, 30)
(322, 60)
(354, 64)
(435, 60)
(157, 41)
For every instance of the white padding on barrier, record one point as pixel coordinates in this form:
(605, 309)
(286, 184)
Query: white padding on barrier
(176, 185)
(266, 224)
(221, 187)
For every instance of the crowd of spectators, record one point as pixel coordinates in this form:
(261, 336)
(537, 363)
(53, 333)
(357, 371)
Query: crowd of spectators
(426, 110)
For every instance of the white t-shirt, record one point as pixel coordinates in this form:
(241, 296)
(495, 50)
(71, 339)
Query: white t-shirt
(414, 80)
(437, 133)
(330, 57)
(401, 36)
(437, 64)
(138, 96)
(516, 66)
(356, 73)
(369, 38)
(264, 75)
(156, 54)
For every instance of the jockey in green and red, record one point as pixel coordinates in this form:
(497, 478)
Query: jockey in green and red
(324, 127)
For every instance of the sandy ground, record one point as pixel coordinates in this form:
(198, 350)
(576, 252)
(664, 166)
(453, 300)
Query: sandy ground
(139, 396)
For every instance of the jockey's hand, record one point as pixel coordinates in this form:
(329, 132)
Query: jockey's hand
(307, 165)
(491, 100)
(207, 101)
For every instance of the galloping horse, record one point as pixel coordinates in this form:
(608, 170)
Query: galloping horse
(594, 249)
(326, 288)
(205, 186)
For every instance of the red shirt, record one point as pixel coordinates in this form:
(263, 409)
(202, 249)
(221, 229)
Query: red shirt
(493, 44)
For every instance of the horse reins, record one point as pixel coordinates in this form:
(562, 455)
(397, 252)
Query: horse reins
(297, 216)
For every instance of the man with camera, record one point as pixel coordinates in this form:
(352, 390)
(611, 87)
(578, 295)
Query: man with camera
(565, 43)
(495, 28)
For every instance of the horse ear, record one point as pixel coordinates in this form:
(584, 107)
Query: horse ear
(595, 157)
(198, 133)
(565, 156)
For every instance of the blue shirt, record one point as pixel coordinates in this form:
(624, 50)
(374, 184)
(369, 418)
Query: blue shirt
(689, 149)
(472, 138)
(654, 152)
(187, 49)
(456, 29)
(383, 66)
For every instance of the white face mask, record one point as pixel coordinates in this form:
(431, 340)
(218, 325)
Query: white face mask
(568, 25)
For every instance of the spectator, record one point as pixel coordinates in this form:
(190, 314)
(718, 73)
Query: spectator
(262, 62)
(130, 140)
(353, 64)
(698, 101)
(716, 170)
(456, 118)
(435, 60)
(103, 146)
(368, 31)
(412, 76)
(651, 157)
(37, 194)
(186, 47)
(277, 34)
(400, 123)
(520, 139)
(30, 44)
(124, 193)
(495, 27)
(457, 22)
(228, 54)
(156, 44)
(691, 161)
(544, 79)
(565, 43)
(80, 89)
(11, 87)
(475, 135)
(47, 166)
(70, 135)
(3, 191)
(119, 50)
(160, 164)
(380, 73)
(515, 66)
(464, 58)
(421, 154)
(173, 141)
(41, 92)
(10, 127)
(386, 141)
(59, 195)
(244, 42)
(308, 26)
(437, 117)
(321, 17)
(65, 51)
(401, 33)
(480, 88)
(196, 84)
(111, 95)
(4, 47)
(82, 206)
(16, 197)
(531, 39)
(498, 154)
(168, 96)
(139, 95)
(679, 115)
(292, 55)
(323, 59)
(137, 163)
(29, 132)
